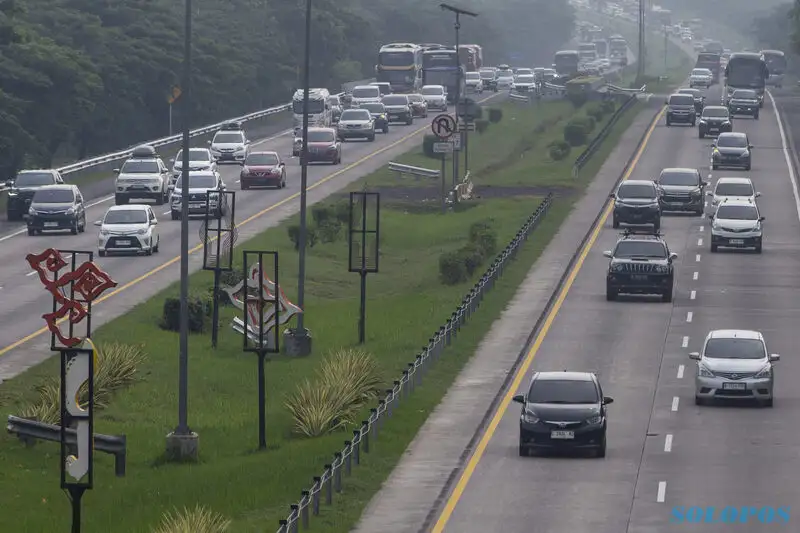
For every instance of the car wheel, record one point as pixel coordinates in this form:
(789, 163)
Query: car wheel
(748, 167)
(714, 167)
(82, 225)
(657, 225)
(700, 134)
(769, 403)
(669, 123)
(120, 199)
(666, 296)
(74, 228)
(699, 401)
(244, 185)
(758, 248)
(371, 138)
(615, 223)
(714, 248)
(699, 212)
(755, 117)
(149, 251)
(157, 247)
(601, 450)
(101, 253)
(611, 294)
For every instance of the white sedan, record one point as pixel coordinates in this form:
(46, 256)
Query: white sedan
(129, 229)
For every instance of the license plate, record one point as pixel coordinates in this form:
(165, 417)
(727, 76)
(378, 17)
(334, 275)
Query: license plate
(737, 241)
(196, 206)
(734, 386)
(124, 242)
(51, 224)
(713, 129)
(639, 277)
(394, 116)
(562, 435)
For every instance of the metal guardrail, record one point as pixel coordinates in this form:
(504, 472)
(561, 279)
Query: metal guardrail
(518, 97)
(622, 90)
(364, 437)
(124, 154)
(595, 143)
(29, 431)
(414, 171)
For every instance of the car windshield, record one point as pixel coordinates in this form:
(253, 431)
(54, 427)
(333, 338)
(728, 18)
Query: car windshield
(524, 72)
(636, 191)
(701, 72)
(262, 160)
(679, 178)
(374, 108)
(628, 249)
(366, 92)
(415, 98)
(734, 189)
(473, 76)
(33, 179)
(694, 93)
(197, 181)
(355, 114)
(525, 79)
(334, 100)
(735, 349)
(562, 391)
(194, 155)
(321, 136)
(228, 138)
(432, 91)
(140, 167)
(732, 141)
(54, 196)
(126, 216)
(715, 112)
(395, 99)
(681, 99)
(737, 212)
(487, 74)
(744, 94)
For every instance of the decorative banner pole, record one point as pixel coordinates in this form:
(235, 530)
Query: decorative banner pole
(264, 309)
(73, 293)
(364, 245)
(218, 233)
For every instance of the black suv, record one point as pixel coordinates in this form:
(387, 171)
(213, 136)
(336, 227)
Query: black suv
(680, 108)
(636, 202)
(715, 119)
(563, 411)
(744, 102)
(641, 263)
(682, 190)
(57, 208)
(22, 189)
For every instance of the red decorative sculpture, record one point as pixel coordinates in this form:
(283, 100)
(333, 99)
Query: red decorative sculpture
(72, 291)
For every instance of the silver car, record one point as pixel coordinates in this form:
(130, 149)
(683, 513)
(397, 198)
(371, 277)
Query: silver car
(733, 188)
(734, 365)
(436, 96)
(356, 124)
(737, 224)
(701, 77)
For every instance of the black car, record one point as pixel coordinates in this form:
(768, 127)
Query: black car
(732, 150)
(398, 108)
(57, 208)
(682, 190)
(715, 119)
(744, 102)
(640, 264)
(378, 112)
(489, 79)
(699, 98)
(680, 108)
(637, 202)
(22, 188)
(563, 411)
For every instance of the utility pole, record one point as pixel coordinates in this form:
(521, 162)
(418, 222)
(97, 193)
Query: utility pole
(666, 45)
(642, 52)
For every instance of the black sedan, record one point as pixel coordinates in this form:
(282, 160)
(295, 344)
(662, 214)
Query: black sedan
(378, 112)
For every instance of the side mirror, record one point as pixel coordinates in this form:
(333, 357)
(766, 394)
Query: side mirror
(774, 358)
(749, 146)
(519, 398)
(208, 143)
(281, 164)
(710, 217)
(247, 142)
(762, 219)
(607, 400)
(98, 222)
(153, 222)
(116, 171)
(608, 254)
(223, 186)
(695, 356)
(172, 160)
(758, 195)
(705, 184)
(709, 193)
(673, 256)
(612, 195)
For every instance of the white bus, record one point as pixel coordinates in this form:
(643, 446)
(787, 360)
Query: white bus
(320, 114)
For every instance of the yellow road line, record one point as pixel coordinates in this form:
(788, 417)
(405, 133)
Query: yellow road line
(463, 480)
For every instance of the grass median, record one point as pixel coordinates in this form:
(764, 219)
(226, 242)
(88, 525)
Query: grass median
(407, 301)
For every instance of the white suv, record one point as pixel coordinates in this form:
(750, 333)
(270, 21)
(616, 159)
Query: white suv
(143, 176)
(128, 229)
(733, 189)
(736, 224)
(230, 144)
(199, 159)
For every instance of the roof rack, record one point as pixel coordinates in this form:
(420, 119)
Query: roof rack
(232, 126)
(627, 232)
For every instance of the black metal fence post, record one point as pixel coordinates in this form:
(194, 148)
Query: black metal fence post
(218, 242)
(364, 231)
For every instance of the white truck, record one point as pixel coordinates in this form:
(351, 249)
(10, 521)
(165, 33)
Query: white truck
(320, 112)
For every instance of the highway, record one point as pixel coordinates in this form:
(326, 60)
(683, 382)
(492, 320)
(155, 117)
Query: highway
(663, 450)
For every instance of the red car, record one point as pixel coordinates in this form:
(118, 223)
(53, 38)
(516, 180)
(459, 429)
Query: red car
(324, 145)
(263, 169)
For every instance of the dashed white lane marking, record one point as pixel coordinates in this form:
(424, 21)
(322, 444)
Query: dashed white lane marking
(689, 316)
(697, 258)
(675, 402)
(662, 492)
(166, 212)
(700, 241)
(31, 273)
(693, 295)
(668, 443)
(695, 276)
(681, 370)
(702, 229)
(786, 156)
(685, 341)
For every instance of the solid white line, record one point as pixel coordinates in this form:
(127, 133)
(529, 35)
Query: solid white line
(697, 258)
(695, 276)
(681, 370)
(31, 273)
(668, 443)
(702, 229)
(166, 212)
(662, 492)
(693, 295)
(700, 241)
(786, 156)
(689, 316)
(685, 341)
(675, 402)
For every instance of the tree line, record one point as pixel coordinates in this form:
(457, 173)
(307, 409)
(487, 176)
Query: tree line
(85, 77)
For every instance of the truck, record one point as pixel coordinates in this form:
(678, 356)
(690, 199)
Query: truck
(618, 49)
(711, 61)
(320, 113)
(602, 48)
(471, 56)
(441, 67)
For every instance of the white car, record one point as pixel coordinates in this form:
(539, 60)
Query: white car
(365, 94)
(199, 159)
(701, 77)
(733, 189)
(202, 184)
(505, 79)
(523, 83)
(736, 224)
(436, 96)
(230, 144)
(523, 72)
(128, 229)
(473, 82)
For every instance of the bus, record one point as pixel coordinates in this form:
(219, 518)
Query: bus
(714, 47)
(441, 67)
(711, 61)
(618, 49)
(400, 65)
(602, 48)
(746, 70)
(776, 64)
(587, 52)
(566, 63)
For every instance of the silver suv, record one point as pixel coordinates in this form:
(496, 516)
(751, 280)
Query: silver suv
(143, 176)
(230, 144)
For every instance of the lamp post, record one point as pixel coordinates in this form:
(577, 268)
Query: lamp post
(640, 59)
(182, 443)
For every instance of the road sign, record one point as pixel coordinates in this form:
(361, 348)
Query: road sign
(443, 126)
(443, 148)
(466, 126)
(174, 94)
(456, 143)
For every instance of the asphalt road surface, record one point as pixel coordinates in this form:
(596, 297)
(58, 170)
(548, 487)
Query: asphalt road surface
(663, 451)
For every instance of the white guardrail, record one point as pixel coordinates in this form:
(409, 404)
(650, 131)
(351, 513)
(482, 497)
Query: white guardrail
(124, 154)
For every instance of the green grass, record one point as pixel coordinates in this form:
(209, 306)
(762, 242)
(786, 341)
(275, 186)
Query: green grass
(406, 303)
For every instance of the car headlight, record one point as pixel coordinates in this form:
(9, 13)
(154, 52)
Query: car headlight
(745, 154)
(71, 211)
(103, 232)
(142, 231)
(12, 192)
(529, 418)
(595, 420)
(661, 268)
(31, 211)
(703, 121)
(697, 192)
(704, 372)
(616, 267)
(765, 372)
(382, 117)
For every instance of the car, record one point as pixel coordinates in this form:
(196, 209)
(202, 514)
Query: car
(263, 169)
(324, 145)
(523, 72)
(680, 108)
(56, 208)
(142, 176)
(335, 102)
(563, 411)
(378, 112)
(489, 78)
(202, 184)
(524, 83)
(128, 229)
(732, 150)
(744, 102)
(714, 120)
(505, 79)
(384, 86)
(473, 82)
(640, 263)
(418, 105)
(682, 190)
(735, 364)
(356, 124)
(436, 96)
(22, 188)
(549, 74)
(230, 144)
(732, 188)
(699, 98)
(636, 202)
(737, 224)
(199, 159)
(364, 94)
(701, 77)
(398, 108)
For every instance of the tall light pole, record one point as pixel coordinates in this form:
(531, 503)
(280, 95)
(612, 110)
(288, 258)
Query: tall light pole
(641, 53)
(182, 443)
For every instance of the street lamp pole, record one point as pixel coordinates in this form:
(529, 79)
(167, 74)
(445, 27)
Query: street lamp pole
(641, 53)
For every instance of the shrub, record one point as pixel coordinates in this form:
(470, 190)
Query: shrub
(427, 145)
(558, 150)
(472, 256)
(482, 234)
(596, 111)
(481, 125)
(330, 231)
(495, 115)
(577, 98)
(608, 106)
(197, 520)
(230, 278)
(588, 123)
(341, 212)
(575, 133)
(321, 214)
(452, 270)
(199, 313)
(312, 235)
